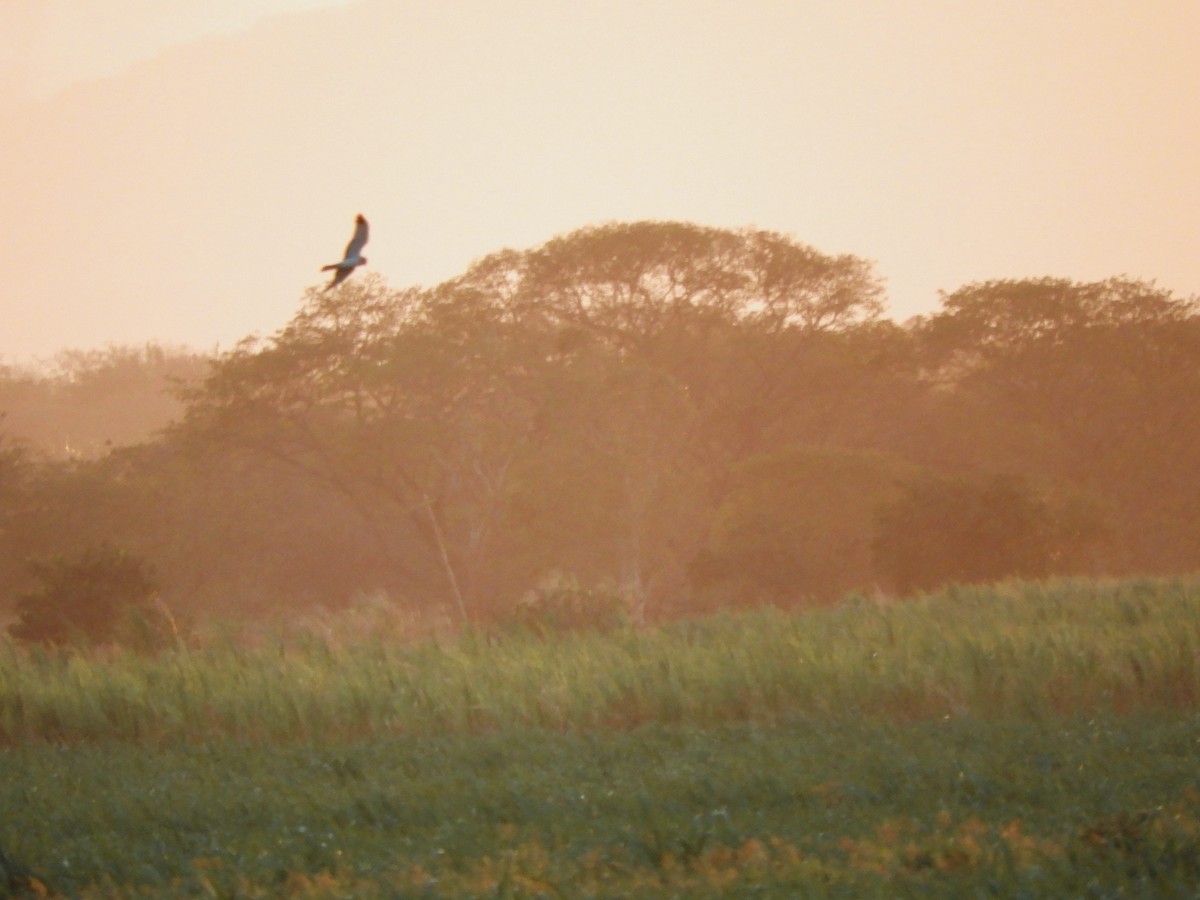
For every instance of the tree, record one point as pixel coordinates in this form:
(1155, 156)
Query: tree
(717, 327)
(437, 414)
(796, 526)
(411, 405)
(630, 285)
(996, 320)
(613, 490)
(1093, 385)
(794, 285)
(103, 595)
(16, 477)
(81, 404)
(977, 529)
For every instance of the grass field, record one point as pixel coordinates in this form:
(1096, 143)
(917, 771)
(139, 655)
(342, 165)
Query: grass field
(1019, 740)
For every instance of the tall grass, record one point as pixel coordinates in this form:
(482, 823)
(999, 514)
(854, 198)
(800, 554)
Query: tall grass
(1014, 650)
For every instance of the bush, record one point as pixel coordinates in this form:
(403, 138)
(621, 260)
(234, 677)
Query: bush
(795, 526)
(971, 530)
(560, 604)
(103, 595)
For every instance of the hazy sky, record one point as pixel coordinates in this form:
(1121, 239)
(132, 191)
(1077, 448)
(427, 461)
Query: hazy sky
(178, 171)
(46, 45)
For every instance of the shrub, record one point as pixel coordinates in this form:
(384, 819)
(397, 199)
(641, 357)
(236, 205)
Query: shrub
(795, 526)
(560, 603)
(103, 595)
(970, 530)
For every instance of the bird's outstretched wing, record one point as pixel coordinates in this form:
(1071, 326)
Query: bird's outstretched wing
(361, 233)
(339, 276)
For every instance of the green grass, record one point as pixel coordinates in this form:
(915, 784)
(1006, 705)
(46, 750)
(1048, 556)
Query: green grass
(1065, 648)
(852, 809)
(1020, 740)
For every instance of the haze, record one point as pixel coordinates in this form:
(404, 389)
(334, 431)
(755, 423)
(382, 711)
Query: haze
(181, 176)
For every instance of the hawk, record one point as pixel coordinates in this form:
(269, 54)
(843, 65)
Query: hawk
(353, 256)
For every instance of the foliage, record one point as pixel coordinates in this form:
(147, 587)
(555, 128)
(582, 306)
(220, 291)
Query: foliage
(560, 604)
(103, 595)
(17, 472)
(994, 320)
(1102, 377)
(971, 530)
(796, 526)
(697, 416)
(80, 404)
(422, 408)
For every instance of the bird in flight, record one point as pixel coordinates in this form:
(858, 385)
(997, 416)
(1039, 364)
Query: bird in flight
(353, 256)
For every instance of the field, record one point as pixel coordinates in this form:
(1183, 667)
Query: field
(1017, 740)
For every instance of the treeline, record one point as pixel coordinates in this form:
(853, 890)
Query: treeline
(682, 416)
(82, 403)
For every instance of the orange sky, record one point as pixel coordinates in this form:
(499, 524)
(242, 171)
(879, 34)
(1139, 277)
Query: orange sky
(179, 171)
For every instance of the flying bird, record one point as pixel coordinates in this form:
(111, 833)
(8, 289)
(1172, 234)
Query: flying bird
(353, 256)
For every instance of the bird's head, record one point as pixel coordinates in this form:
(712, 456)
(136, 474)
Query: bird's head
(362, 260)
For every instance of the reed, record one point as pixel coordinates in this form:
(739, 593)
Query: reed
(1019, 649)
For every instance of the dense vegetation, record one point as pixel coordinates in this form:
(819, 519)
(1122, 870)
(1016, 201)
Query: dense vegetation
(1036, 649)
(1030, 739)
(684, 417)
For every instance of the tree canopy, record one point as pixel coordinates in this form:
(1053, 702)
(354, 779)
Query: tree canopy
(687, 416)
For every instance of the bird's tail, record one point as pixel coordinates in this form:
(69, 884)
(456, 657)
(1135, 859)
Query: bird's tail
(329, 267)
